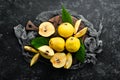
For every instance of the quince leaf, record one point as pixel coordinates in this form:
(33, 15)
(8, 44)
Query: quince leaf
(39, 41)
(66, 17)
(80, 54)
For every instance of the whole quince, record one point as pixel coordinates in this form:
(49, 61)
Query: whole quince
(57, 43)
(72, 44)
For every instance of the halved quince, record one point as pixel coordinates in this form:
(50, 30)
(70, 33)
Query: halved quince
(46, 51)
(46, 29)
(58, 60)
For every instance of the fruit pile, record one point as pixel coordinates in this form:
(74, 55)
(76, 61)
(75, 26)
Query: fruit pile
(59, 49)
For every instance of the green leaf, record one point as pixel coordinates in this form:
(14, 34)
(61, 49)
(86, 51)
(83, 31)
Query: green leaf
(39, 41)
(66, 17)
(80, 54)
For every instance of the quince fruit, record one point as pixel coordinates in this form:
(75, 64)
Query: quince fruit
(57, 43)
(65, 30)
(72, 44)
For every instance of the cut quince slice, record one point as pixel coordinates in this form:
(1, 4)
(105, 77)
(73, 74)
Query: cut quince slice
(68, 61)
(81, 32)
(46, 29)
(46, 51)
(28, 48)
(34, 59)
(77, 24)
(58, 60)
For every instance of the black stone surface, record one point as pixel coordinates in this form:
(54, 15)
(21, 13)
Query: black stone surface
(12, 63)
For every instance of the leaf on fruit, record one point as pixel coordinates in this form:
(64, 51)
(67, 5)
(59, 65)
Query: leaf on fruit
(39, 41)
(80, 54)
(66, 17)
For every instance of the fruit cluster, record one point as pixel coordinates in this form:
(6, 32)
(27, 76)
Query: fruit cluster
(59, 48)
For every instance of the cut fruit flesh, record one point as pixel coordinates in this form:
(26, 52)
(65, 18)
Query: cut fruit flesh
(77, 24)
(46, 29)
(28, 48)
(81, 32)
(34, 59)
(58, 60)
(68, 61)
(46, 51)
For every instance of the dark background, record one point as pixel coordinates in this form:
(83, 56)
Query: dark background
(12, 63)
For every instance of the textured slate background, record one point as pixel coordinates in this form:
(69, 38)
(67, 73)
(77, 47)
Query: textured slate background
(12, 63)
